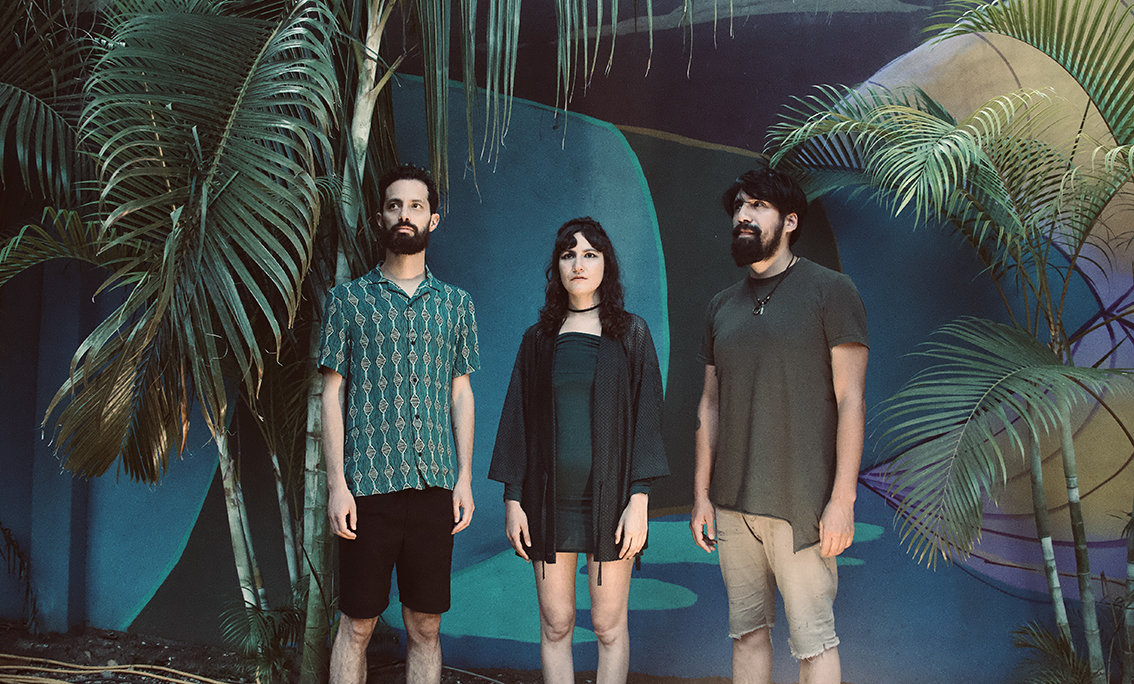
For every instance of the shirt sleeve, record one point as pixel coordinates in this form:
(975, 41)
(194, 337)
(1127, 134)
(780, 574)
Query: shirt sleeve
(844, 316)
(466, 357)
(335, 350)
(705, 355)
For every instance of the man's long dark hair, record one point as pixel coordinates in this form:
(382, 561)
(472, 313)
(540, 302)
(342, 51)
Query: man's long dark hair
(612, 315)
(770, 185)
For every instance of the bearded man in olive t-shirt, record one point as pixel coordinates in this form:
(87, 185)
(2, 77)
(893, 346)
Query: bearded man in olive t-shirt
(780, 432)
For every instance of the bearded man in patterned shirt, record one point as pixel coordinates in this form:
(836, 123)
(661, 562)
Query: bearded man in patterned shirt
(398, 348)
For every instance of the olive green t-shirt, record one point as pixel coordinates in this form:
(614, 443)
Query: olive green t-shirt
(775, 451)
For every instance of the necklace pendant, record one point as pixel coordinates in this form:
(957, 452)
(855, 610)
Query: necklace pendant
(758, 310)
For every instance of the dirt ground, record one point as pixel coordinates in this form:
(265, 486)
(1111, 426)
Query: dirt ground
(103, 656)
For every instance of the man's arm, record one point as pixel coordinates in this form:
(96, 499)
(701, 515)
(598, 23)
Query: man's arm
(340, 504)
(463, 416)
(848, 370)
(702, 520)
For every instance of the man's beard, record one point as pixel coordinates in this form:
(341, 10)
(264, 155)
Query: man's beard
(749, 250)
(401, 243)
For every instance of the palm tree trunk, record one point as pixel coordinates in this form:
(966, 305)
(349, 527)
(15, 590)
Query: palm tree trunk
(233, 505)
(285, 522)
(314, 663)
(1082, 559)
(1128, 651)
(246, 528)
(1043, 533)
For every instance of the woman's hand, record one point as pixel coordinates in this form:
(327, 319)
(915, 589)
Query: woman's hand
(632, 526)
(516, 527)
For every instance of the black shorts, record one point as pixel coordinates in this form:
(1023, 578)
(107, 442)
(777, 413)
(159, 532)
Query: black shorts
(411, 530)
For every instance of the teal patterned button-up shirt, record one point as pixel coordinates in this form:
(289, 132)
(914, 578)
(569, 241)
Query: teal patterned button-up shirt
(399, 355)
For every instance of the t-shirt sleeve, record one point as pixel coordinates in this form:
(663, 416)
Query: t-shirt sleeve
(705, 355)
(466, 358)
(844, 316)
(335, 350)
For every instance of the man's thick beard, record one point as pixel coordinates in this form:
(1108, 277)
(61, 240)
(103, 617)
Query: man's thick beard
(399, 243)
(747, 251)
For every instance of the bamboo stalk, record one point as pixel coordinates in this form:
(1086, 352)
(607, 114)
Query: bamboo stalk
(235, 525)
(1043, 534)
(285, 523)
(1082, 558)
(1128, 650)
(314, 661)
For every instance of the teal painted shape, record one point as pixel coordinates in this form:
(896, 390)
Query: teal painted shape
(138, 532)
(866, 532)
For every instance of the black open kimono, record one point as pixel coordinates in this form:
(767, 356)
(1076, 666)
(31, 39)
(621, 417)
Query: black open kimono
(625, 434)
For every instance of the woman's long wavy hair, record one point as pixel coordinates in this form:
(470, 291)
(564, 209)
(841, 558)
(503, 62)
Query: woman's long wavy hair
(612, 315)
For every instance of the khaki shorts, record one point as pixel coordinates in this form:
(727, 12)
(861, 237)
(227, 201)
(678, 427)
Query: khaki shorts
(757, 556)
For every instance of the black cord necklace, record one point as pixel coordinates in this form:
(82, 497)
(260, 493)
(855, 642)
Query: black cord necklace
(758, 303)
(589, 308)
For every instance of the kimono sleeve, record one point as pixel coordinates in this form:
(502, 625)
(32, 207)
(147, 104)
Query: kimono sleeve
(647, 450)
(510, 453)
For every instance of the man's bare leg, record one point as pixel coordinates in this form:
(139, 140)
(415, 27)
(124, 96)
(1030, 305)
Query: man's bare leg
(824, 668)
(423, 646)
(348, 653)
(752, 658)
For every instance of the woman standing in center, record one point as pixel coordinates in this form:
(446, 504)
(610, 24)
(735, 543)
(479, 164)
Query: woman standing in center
(578, 444)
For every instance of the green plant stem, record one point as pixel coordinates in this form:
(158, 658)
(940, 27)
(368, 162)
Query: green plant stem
(1043, 533)
(314, 662)
(1082, 558)
(248, 589)
(285, 522)
(1128, 650)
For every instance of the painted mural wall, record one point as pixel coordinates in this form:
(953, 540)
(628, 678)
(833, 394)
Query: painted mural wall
(647, 155)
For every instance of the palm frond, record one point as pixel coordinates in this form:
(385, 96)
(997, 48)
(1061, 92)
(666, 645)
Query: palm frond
(126, 399)
(265, 638)
(1093, 40)
(66, 236)
(952, 429)
(1051, 658)
(202, 157)
(19, 568)
(915, 156)
(209, 183)
(42, 58)
(435, 19)
(503, 38)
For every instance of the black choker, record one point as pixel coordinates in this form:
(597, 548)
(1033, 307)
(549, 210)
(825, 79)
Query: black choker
(589, 308)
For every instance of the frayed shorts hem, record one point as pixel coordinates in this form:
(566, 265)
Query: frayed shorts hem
(826, 647)
(740, 635)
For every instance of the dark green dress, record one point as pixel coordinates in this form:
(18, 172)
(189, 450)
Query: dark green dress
(573, 381)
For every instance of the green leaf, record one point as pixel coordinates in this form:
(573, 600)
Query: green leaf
(953, 429)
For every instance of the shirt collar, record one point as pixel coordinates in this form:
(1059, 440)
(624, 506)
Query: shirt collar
(377, 277)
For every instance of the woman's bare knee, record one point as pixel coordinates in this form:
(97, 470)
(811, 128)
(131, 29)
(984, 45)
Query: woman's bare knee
(610, 631)
(557, 625)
